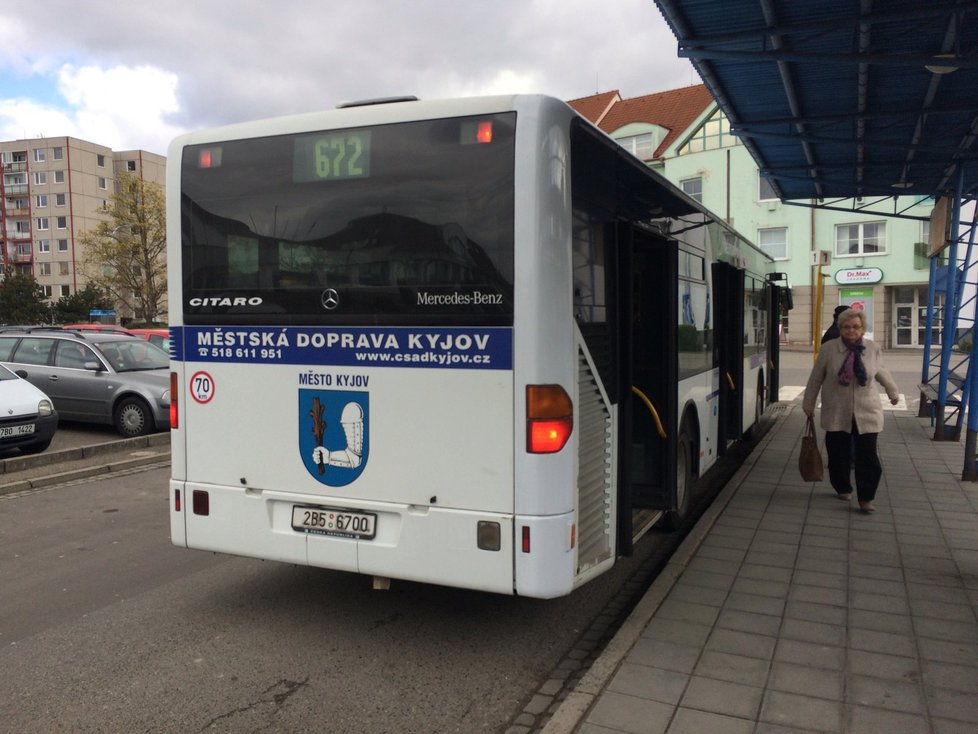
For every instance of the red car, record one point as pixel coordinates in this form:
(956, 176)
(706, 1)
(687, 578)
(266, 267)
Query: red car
(158, 336)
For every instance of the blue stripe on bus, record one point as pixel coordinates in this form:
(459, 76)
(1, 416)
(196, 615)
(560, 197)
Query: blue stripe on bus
(488, 348)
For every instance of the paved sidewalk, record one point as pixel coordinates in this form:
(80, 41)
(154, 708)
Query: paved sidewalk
(787, 610)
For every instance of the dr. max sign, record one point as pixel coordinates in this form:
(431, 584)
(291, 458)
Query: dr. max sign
(851, 276)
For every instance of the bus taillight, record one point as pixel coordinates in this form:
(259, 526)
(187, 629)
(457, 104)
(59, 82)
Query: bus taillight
(549, 418)
(174, 413)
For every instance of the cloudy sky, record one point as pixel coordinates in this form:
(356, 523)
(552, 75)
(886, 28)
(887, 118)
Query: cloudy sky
(133, 74)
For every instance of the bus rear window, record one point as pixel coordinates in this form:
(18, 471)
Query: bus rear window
(401, 223)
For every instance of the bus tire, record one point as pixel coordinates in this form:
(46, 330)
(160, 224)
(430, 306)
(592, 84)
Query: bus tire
(684, 481)
(752, 432)
(132, 418)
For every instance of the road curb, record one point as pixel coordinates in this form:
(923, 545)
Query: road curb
(118, 457)
(21, 463)
(49, 480)
(578, 702)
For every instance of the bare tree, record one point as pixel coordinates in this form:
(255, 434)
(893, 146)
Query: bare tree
(125, 255)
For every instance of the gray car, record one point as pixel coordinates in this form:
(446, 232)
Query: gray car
(95, 377)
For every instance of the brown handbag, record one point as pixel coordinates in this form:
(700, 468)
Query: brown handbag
(810, 459)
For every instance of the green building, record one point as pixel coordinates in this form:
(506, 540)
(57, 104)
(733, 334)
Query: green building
(863, 254)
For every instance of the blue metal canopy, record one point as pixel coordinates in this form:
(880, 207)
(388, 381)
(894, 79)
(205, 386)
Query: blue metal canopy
(843, 98)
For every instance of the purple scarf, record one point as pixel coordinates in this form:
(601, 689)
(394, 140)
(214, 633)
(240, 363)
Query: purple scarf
(852, 365)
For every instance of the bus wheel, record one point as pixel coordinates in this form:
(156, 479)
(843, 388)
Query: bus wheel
(684, 481)
(752, 432)
(132, 418)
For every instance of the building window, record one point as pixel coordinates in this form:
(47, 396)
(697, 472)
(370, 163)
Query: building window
(774, 242)
(42, 223)
(40, 178)
(62, 245)
(47, 290)
(44, 245)
(63, 268)
(693, 188)
(641, 146)
(41, 200)
(865, 238)
(59, 199)
(101, 183)
(65, 291)
(130, 165)
(59, 153)
(59, 176)
(713, 135)
(44, 268)
(765, 191)
(100, 160)
(22, 226)
(62, 222)
(39, 155)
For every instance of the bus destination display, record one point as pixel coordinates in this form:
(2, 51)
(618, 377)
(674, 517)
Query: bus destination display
(331, 156)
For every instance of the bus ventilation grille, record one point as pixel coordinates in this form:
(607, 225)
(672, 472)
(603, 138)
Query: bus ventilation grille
(594, 482)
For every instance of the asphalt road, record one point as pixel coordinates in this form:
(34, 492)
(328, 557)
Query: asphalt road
(106, 627)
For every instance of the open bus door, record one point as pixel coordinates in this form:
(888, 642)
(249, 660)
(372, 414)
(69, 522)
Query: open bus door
(776, 301)
(728, 288)
(647, 280)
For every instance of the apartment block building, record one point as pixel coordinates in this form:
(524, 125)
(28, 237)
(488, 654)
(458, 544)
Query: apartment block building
(870, 259)
(51, 191)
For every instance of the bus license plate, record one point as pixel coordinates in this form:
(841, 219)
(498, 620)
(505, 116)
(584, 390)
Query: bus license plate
(323, 521)
(8, 431)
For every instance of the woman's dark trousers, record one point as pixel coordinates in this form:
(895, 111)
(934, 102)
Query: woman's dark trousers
(842, 447)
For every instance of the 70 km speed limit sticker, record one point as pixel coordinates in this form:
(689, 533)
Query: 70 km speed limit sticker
(202, 387)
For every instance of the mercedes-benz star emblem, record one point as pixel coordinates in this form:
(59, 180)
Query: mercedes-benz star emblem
(331, 299)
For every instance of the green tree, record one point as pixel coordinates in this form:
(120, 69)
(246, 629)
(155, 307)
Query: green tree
(22, 301)
(125, 255)
(76, 307)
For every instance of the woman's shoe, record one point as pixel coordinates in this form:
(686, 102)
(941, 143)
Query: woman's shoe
(867, 507)
(844, 496)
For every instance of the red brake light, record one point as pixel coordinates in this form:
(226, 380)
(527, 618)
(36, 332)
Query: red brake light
(484, 132)
(174, 412)
(549, 418)
(209, 158)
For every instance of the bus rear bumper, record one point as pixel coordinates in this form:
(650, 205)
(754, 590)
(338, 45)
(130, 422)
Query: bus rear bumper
(427, 544)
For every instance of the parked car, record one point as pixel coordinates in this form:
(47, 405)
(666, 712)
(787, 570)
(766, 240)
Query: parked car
(28, 420)
(158, 336)
(110, 328)
(95, 377)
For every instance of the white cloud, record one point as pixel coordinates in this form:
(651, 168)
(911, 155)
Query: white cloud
(113, 68)
(23, 118)
(122, 107)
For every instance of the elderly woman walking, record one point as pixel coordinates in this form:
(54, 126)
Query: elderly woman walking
(852, 414)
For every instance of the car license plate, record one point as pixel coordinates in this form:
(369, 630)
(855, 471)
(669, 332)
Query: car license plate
(324, 521)
(10, 431)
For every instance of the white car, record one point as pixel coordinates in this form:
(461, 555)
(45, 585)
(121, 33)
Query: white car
(28, 419)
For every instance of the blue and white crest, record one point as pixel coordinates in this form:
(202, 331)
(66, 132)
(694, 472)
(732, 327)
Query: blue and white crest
(334, 434)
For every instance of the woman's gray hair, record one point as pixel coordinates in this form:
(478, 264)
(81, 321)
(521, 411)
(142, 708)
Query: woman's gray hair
(852, 313)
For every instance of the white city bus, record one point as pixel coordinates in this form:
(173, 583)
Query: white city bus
(469, 342)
